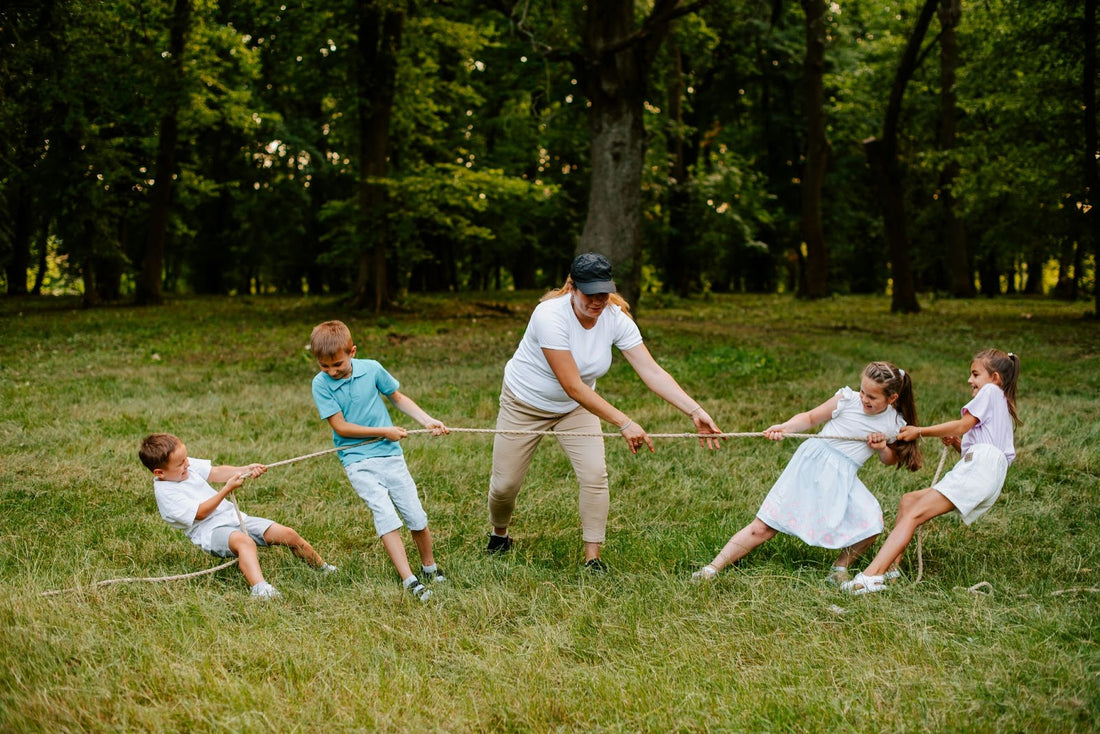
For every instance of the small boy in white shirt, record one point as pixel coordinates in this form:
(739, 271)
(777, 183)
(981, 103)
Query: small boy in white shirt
(188, 502)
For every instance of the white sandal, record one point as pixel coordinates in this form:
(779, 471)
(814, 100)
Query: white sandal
(864, 584)
(706, 573)
(838, 575)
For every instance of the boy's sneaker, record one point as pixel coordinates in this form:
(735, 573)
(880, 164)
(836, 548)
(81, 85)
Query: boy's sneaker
(265, 590)
(327, 568)
(434, 576)
(417, 589)
(499, 544)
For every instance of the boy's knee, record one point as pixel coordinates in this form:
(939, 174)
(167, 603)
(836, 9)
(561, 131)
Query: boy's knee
(239, 541)
(277, 534)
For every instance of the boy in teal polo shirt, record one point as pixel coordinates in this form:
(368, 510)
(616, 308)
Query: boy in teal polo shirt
(348, 393)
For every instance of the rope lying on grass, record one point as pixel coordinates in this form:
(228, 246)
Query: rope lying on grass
(154, 579)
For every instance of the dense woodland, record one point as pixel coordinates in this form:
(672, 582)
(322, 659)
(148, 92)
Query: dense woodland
(365, 148)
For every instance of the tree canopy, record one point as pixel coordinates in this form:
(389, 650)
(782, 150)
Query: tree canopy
(370, 147)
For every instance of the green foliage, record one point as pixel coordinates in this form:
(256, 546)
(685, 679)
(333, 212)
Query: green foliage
(269, 140)
(529, 641)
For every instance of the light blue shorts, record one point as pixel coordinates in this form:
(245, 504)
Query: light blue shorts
(219, 536)
(386, 486)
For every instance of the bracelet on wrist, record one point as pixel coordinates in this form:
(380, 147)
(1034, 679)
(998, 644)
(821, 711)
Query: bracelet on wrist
(697, 409)
(626, 425)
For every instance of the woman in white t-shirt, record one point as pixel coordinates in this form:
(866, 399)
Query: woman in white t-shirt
(549, 384)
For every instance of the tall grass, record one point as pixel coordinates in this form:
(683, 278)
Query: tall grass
(530, 642)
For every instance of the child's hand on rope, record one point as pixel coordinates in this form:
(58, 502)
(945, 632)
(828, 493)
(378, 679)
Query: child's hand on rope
(877, 441)
(436, 427)
(394, 433)
(774, 433)
(953, 442)
(909, 433)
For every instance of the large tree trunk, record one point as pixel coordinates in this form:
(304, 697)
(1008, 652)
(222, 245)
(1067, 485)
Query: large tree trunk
(149, 286)
(816, 282)
(380, 31)
(614, 82)
(883, 157)
(954, 240)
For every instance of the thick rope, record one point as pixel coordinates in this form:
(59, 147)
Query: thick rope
(303, 457)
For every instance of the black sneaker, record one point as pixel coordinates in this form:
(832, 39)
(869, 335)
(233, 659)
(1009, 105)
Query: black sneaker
(498, 544)
(595, 565)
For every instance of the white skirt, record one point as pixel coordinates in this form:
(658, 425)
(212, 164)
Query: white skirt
(975, 482)
(819, 499)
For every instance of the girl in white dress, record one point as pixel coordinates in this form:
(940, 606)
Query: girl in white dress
(818, 497)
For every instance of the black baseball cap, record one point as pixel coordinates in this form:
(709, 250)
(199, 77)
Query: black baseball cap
(591, 274)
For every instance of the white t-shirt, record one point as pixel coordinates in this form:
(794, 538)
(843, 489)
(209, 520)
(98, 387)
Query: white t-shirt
(554, 325)
(994, 424)
(850, 420)
(179, 501)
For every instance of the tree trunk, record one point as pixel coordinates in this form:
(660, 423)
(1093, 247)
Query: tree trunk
(1091, 229)
(149, 286)
(380, 33)
(816, 283)
(883, 157)
(957, 257)
(678, 242)
(18, 263)
(614, 82)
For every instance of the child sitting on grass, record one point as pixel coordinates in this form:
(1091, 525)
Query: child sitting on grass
(188, 502)
(348, 393)
(984, 437)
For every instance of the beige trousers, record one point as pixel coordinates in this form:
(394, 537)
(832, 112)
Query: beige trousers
(512, 455)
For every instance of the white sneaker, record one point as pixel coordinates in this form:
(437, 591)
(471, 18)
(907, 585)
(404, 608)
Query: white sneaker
(864, 584)
(265, 590)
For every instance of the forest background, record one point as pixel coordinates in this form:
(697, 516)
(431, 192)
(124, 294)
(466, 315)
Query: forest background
(371, 148)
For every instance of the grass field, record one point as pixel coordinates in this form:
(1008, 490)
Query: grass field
(530, 642)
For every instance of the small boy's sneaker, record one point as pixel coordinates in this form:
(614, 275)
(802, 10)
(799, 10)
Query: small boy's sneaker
(327, 568)
(499, 543)
(265, 590)
(432, 575)
(417, 589)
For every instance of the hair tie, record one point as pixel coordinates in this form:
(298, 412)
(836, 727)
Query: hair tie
(1011, 355)
(901, 371)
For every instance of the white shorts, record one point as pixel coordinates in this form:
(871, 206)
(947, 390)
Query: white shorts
(219, 536)
(975, 482)
(386, 486)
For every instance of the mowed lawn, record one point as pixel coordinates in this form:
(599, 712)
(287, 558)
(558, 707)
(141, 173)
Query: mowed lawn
(530, 641)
